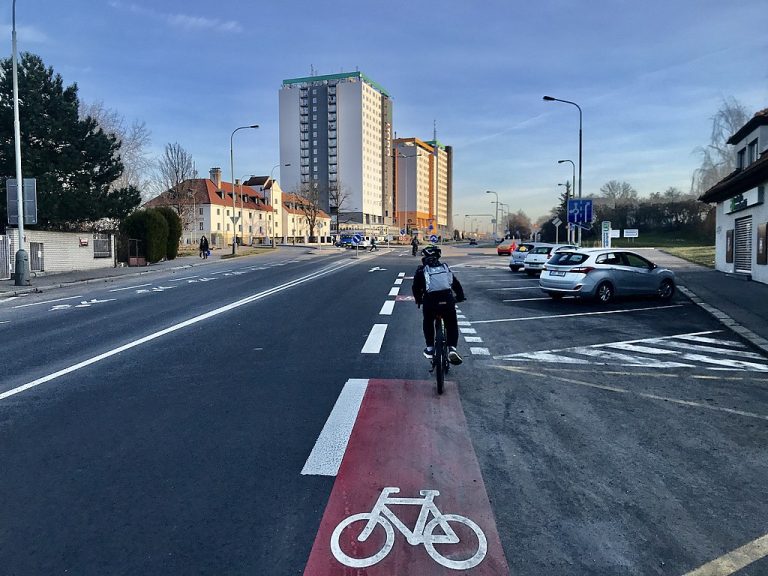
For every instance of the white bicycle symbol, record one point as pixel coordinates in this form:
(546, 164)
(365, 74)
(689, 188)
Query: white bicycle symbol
(422, 532)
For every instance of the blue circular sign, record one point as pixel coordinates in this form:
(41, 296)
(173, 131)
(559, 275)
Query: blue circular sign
(357, 238)
(402, 231)
(433, 238)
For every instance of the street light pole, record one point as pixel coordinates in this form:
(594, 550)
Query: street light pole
(573, 193)
(496, 218)
(232, 173)
(21, 266)
(551, 99)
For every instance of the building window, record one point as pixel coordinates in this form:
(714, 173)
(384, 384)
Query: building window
(752, 151)
(218, 226)
(201, 211)
(201, 225)
(218, 211)
(740, 158)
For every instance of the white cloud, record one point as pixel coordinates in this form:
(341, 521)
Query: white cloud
(184, 21)
(25, 34)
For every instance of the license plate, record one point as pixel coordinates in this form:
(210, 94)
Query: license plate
(556, 273)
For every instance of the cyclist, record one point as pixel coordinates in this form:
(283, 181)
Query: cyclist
(434, 285)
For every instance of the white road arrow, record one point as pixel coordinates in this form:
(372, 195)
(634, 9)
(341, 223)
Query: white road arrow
(376, 269)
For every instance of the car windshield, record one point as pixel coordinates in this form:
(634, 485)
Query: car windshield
(568, 258)
(523, 247)
(542, 250)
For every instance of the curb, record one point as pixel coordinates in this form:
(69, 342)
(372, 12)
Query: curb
(726, 320)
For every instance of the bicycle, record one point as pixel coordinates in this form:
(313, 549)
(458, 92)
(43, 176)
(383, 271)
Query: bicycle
(440, 364)
(422, 532)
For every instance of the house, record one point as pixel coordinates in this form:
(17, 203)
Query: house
(741, 240)
(262, 211)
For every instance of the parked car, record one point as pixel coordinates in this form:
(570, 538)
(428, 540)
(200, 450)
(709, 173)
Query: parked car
(505, 248)
(539, 254)
(518, 255)
(604, 273)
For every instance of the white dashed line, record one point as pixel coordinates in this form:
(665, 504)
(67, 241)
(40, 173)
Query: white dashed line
(48, 301)
(398, 281)
(394, 291)
(467, 330)
(401, 275)
(464, 323)
(480, 351)
(375, 339)
(473, 339)
(388, 307)
(130, 287)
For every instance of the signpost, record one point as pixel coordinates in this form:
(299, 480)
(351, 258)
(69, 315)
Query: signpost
(606, 228)
(580, 211)
(556, 222)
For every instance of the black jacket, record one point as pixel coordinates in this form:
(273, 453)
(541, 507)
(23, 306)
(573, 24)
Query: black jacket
(419, 289)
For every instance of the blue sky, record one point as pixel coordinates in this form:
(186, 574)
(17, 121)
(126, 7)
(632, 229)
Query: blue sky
(648, 75)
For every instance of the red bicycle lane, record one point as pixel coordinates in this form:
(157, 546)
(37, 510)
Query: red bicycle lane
(410, 474)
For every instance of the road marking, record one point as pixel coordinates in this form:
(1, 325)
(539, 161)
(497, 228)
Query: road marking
(464, 323)
(130, 287)
(185, 278)
(406, 438)
(398, 282)
(215, 312)
(375, 339)
(578, 314)
(222, 271)
(509, 289)
(401, 275)
(657, 374)
(4, 321)
(460, 316)
(467, 330)
(326, 455)
(48, 301)
(527, 299)
(472, 339)
(735, 560)
(639, 394)
(712, 340)
(394, 291)
(480, 351)
(387, 308)
(507, 280)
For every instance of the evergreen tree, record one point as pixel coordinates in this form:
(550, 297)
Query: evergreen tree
(73, 160)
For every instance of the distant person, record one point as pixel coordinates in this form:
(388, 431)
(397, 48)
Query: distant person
(204, 248)
(373, 244)
(414, 245)
(434, 286)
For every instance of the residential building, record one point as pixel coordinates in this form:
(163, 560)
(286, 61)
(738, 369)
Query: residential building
(741, 225)
(336, 135)
(423, 193)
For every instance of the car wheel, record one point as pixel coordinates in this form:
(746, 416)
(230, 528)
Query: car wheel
(555, 296)
(514, 268)
(604, 293)
(666, 289)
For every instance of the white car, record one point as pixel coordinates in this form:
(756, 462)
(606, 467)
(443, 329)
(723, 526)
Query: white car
(538, 256)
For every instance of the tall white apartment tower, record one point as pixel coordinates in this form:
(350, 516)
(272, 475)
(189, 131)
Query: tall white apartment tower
(336, 133)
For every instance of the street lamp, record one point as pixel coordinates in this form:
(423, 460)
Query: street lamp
(232, 173)
(496, 218)
(573, 193)
(271, 203)
(551, 99)
(21, 267)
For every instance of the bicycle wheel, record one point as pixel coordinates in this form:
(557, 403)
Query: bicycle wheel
(440, 355)
(453, 563)
(351, 561)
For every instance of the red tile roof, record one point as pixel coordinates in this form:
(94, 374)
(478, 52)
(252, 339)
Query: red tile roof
(204, 192)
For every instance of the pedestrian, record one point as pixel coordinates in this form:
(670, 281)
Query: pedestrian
(414, 245)
(204, 248)
(373, 244)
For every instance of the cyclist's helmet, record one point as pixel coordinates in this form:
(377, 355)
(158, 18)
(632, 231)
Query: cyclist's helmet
(430, 255)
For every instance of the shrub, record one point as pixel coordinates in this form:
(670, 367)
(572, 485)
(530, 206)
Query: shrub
(174, 230)
(151, 229)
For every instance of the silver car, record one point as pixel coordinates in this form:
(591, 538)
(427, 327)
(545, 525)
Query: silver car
(604, 273)
(518, 255)
(539, 254)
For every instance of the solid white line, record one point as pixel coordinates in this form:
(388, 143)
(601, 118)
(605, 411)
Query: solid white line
(47, 301)
(394, 291)
(510, 289)
(735, 560)
(579, 314)
(480, 351)
(185, 278)
(328, 452)
(527, 299)
(714, 350)
(230, 270)
(375, 339)
(247, 300)
(4, 321)
(712, 341)
(398, 282)
(387, 308)
(130, 287)
(505, 281)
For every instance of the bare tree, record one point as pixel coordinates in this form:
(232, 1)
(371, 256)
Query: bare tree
(134, 141)
(619, 193)
(717, 159)
(309, 204)
(173, 169)
(520, 224)
(338, 196)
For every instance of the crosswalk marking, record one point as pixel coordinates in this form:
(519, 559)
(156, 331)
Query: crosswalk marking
(677, 351)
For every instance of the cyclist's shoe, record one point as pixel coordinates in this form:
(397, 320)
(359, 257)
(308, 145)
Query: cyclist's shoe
(453, 356)
(429, 352)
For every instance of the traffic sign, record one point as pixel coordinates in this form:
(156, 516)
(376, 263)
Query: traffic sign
(580, 211)
(402, 231)
(357, 238)
(433, 238)
(631, 233)
(556, 221)
(431, 227)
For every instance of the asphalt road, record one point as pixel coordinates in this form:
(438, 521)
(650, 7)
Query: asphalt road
(162, 426)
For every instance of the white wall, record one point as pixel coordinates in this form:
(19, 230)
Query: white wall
(727, 222)
(62, 251)
(350, 142)
(290, 124)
